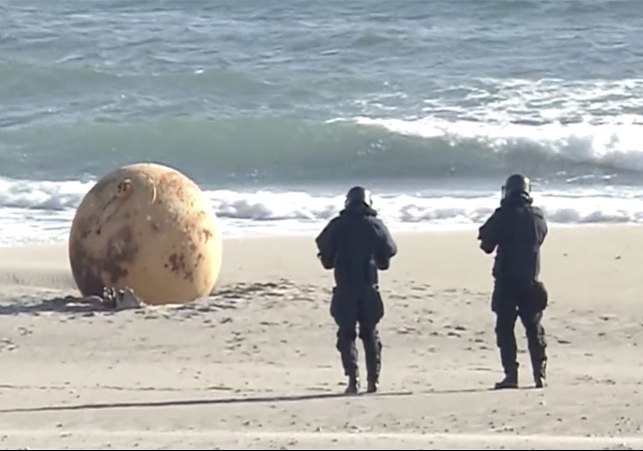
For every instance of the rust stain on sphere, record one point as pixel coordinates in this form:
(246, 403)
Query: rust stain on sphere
(147, 227)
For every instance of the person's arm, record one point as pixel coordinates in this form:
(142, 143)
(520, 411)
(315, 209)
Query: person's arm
(386, 246)
(489, 233)
(541, 225)
(326, 244)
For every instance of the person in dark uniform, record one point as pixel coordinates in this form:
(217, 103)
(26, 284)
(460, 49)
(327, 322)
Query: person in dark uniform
(356, 244)
(517, 230)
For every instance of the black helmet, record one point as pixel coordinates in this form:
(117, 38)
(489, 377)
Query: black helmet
(516, 185)
(358, 195)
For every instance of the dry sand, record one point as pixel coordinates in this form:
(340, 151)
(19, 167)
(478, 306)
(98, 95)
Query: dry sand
(255, 366)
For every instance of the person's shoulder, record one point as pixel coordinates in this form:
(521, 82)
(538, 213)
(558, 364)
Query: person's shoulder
(374, 219)
(376, 223)
(334, 223)
(538, 212)
(330, 228)
(497, 215)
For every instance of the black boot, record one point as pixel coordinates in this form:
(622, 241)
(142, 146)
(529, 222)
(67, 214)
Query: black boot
(372, 385)
(353, 385)
(510, 380)
(540, 375)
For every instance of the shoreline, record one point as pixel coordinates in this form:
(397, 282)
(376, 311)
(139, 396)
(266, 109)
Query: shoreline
(464, 228)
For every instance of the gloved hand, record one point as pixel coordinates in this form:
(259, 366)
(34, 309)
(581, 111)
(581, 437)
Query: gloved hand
(325, 264)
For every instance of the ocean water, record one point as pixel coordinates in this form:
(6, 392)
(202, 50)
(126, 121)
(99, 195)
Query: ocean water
(277, 108)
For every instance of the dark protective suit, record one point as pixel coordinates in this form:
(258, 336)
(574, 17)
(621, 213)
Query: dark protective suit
(356, 244)
(518, 230)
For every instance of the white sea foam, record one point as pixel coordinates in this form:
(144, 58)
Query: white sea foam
(43, 211)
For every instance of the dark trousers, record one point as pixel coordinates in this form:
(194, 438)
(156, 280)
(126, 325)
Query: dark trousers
(525, 300)
(350, 307)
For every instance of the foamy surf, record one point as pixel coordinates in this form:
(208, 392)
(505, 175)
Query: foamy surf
(33, 211)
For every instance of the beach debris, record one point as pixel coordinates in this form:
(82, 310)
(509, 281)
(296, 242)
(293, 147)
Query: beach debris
(112, 299)
(121, 299)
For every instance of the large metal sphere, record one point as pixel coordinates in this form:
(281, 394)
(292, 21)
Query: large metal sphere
(149, 228)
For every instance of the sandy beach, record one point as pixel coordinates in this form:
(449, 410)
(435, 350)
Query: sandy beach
(254, 366)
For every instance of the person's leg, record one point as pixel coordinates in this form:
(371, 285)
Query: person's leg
(537, 343)
(506, 340)
(371, 312)
(373, 354)
(345, 313)
(346, 336)
(504, 305)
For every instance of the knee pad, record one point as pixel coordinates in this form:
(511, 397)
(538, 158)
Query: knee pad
(536, 334)
(541, 337)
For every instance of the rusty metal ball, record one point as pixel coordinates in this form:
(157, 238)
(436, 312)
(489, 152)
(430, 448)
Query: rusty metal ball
(149, 228)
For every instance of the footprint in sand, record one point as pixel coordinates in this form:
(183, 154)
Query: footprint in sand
(7, 345)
